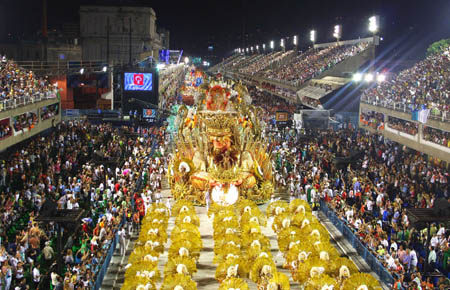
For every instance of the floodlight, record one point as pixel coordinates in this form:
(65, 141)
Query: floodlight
(295, 40)
(82, 71)
(272, 44)
(368, 77)
(381, 78)
(105, 68)
(186, 60)
(312, 36)
(373, 24)
(160, 66)
(264, 46)
(257, 47)
(357, 77)
(337, 31)
(282, 42)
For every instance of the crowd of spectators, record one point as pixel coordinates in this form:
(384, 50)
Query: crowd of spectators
(313, 62)
(372, 119)
(426, 84)
(25, 121)
(17, 83)
(436, 136)
(5, 130)
(404, 126)
(311, 102)
(79, 166)
(50, 111)
(265, 61)
(370, 194)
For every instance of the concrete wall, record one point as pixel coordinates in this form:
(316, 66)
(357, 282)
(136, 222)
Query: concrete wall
(38, 128)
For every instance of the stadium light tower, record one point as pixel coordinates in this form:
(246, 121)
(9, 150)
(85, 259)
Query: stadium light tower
(272, 44)
(312, 36)
(374, 24)
(337, 32)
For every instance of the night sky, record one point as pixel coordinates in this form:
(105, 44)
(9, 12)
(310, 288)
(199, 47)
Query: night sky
(194, 25)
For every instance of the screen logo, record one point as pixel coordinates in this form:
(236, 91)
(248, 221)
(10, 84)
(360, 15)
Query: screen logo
(138, 79)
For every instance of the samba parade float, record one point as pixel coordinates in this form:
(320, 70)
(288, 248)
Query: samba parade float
(219, 150)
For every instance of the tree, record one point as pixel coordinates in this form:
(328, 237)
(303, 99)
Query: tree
(438, 46)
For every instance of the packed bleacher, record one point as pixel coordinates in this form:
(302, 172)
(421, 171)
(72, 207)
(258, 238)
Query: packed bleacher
(371, 195)
(313, 62)
(19, 86)
(404, 126)
(426, 84)
(265, 61)
(64, 167)
(436, 136)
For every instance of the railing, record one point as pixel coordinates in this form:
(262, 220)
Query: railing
(102, 272)
(360, 248)
(25, 100)
(435, 114)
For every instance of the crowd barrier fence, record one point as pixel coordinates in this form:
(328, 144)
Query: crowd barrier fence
(361, 249)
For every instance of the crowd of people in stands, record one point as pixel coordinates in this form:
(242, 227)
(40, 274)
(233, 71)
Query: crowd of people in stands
(436, 136)
(370, 194)
(265, 61)
(426, 84)
(49, 111)
(25, 121)
(312, 102)
(79, 166)
(5, 130)
(372, 119)
(311, 63)
(404, 126)
(16, 82)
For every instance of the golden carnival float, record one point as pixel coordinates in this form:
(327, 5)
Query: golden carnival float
(219, 151)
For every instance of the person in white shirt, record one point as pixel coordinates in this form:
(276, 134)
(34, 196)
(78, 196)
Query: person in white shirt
(432, 258)
(36, 275)
(122, 239)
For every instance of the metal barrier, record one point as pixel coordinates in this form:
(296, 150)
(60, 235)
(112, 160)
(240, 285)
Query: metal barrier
(25, 100)
(102, 272)
(360, 248)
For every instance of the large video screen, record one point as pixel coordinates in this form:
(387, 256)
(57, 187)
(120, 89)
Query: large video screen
(138, 81)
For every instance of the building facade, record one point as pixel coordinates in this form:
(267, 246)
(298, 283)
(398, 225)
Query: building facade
(119, 34)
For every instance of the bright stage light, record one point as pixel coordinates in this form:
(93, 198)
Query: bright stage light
(272, 44)
(282, 42)
(295, 40)
(312, 36)
(381, 78)
(264, 46)
(105, 68)
(368, 77)
(257, 47)
(82, 71)
(373, 24)
(337, 32)
(357, 77)
(186, 60)
(160, 66)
